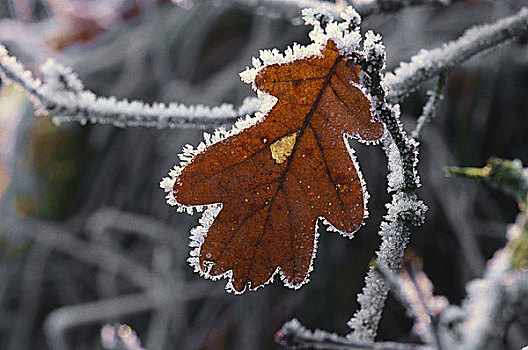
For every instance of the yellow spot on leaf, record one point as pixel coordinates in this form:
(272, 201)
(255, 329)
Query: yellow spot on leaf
(282, 149)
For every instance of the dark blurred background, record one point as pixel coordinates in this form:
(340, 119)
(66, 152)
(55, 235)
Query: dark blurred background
(96, 243)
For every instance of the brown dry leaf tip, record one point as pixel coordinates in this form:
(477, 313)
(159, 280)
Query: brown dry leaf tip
(277, 177)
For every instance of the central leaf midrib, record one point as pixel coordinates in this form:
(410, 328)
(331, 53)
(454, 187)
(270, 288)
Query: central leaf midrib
(282, 178)
(302, 129)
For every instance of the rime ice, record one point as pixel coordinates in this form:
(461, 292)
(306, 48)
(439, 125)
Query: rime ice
(319, 61)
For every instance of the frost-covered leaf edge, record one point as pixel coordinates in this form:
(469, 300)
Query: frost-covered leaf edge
(347, 41)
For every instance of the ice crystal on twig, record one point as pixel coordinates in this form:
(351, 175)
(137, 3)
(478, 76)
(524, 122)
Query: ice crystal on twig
(84, 106)
(62, 95)
(493, 300)
(429, 63)
(295, 336)
(429, 110)
(405, 210)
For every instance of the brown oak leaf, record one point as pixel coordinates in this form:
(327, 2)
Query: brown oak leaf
(276, 178)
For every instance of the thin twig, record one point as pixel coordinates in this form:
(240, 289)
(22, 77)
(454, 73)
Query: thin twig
(405, 210)
(103, 257)
(429, 109)
(430, 63)
(292, 8)
(372, 64)
(77, 104)
(397, 290)
(294, 335)
(84, 106)
(432, 326)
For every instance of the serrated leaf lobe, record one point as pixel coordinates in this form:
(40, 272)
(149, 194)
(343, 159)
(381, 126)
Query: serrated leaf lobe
(272, 196)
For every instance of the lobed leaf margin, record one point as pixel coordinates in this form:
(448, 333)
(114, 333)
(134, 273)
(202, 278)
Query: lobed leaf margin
(347, 38)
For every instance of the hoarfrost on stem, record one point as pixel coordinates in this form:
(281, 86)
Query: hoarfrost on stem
(429, 63)
(62, 95)
(119, 337)
(69, 103)
(493, 299)
(405, 210)
(429, 110)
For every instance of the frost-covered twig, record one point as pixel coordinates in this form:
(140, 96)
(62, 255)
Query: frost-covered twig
(396, 287)
(429, 63)
(292, 8)
(62, 95)
(83, 106)
(404, 211)
(373, 63)
(405, 288)
(495, 299)
(294, 335)
(429, 110)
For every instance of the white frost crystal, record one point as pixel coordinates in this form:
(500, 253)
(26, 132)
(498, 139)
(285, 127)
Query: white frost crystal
(347, 38)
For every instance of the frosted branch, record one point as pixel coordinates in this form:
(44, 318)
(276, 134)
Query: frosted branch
(294, 335)
(500, 294)
(410, 295)
(405, 210)
(372, 7)
(61, 93)
(430, 63)
(292, 8)
(372, 62)
(429, 110)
